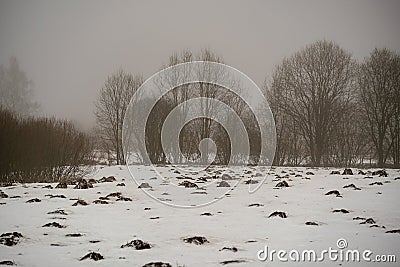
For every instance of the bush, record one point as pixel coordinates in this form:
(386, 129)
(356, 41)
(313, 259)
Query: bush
(41, 149)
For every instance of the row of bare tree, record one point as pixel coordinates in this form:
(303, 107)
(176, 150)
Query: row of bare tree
(328, 110)
(117, 91)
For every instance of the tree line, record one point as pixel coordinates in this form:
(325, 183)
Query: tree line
(329, 109)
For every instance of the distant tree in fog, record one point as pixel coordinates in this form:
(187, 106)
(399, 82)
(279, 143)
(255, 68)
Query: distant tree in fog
(16, 93)
(202, 127)
(111, 106)
(199, 113)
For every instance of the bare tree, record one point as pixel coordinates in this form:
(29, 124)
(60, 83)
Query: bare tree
(290, 146)
(349, 143)
(379, 89)
(177, 96)
(209, 92)
(313, 88)
(111, 106)
(394, 125)
(16, 93)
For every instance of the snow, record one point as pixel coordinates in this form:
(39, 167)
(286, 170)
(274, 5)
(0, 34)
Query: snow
(232, 224)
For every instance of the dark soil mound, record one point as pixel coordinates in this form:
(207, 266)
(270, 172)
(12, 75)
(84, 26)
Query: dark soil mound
(62, 212)
(57, 196)
(278, 214)
(121, 198)
(33, 200)
(99, 201)
(198, 240)
(93, 256)
(223, 184)
(233, 249)
(232, 261)
(202, 179)
(92, 181)
(333, 192)
(393, 231)
(199, 193)
(53, 224)
(83, 184)
(80, 202)
(9, 263)
(368, 221)
(188, 184)
(6, 184)
(226, 177)
(157, 264)
(381, 173)
(347, 172)
(144, 185)
(352, 186)
(74, 235)
(251, 181)
(10, 239)
(62, 185)
(311, 223)
(3, 195)
(256, 205)
(282, 184)
(108, 179)
(137, 244)
(115, 194)
(341, 210)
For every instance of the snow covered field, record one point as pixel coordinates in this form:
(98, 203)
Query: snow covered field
(235, 228)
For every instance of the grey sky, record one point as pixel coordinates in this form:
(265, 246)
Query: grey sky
(68, 48)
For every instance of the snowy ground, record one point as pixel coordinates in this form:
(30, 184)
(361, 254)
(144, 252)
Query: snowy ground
(240, 220)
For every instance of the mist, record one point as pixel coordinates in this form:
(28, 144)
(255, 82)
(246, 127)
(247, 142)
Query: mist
(69, 48)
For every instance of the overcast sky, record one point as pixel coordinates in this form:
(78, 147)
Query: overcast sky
(68, 48)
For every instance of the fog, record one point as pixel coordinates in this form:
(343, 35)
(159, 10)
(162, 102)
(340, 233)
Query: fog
(68, 48)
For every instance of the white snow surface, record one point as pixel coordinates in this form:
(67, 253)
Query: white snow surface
(232, 224)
